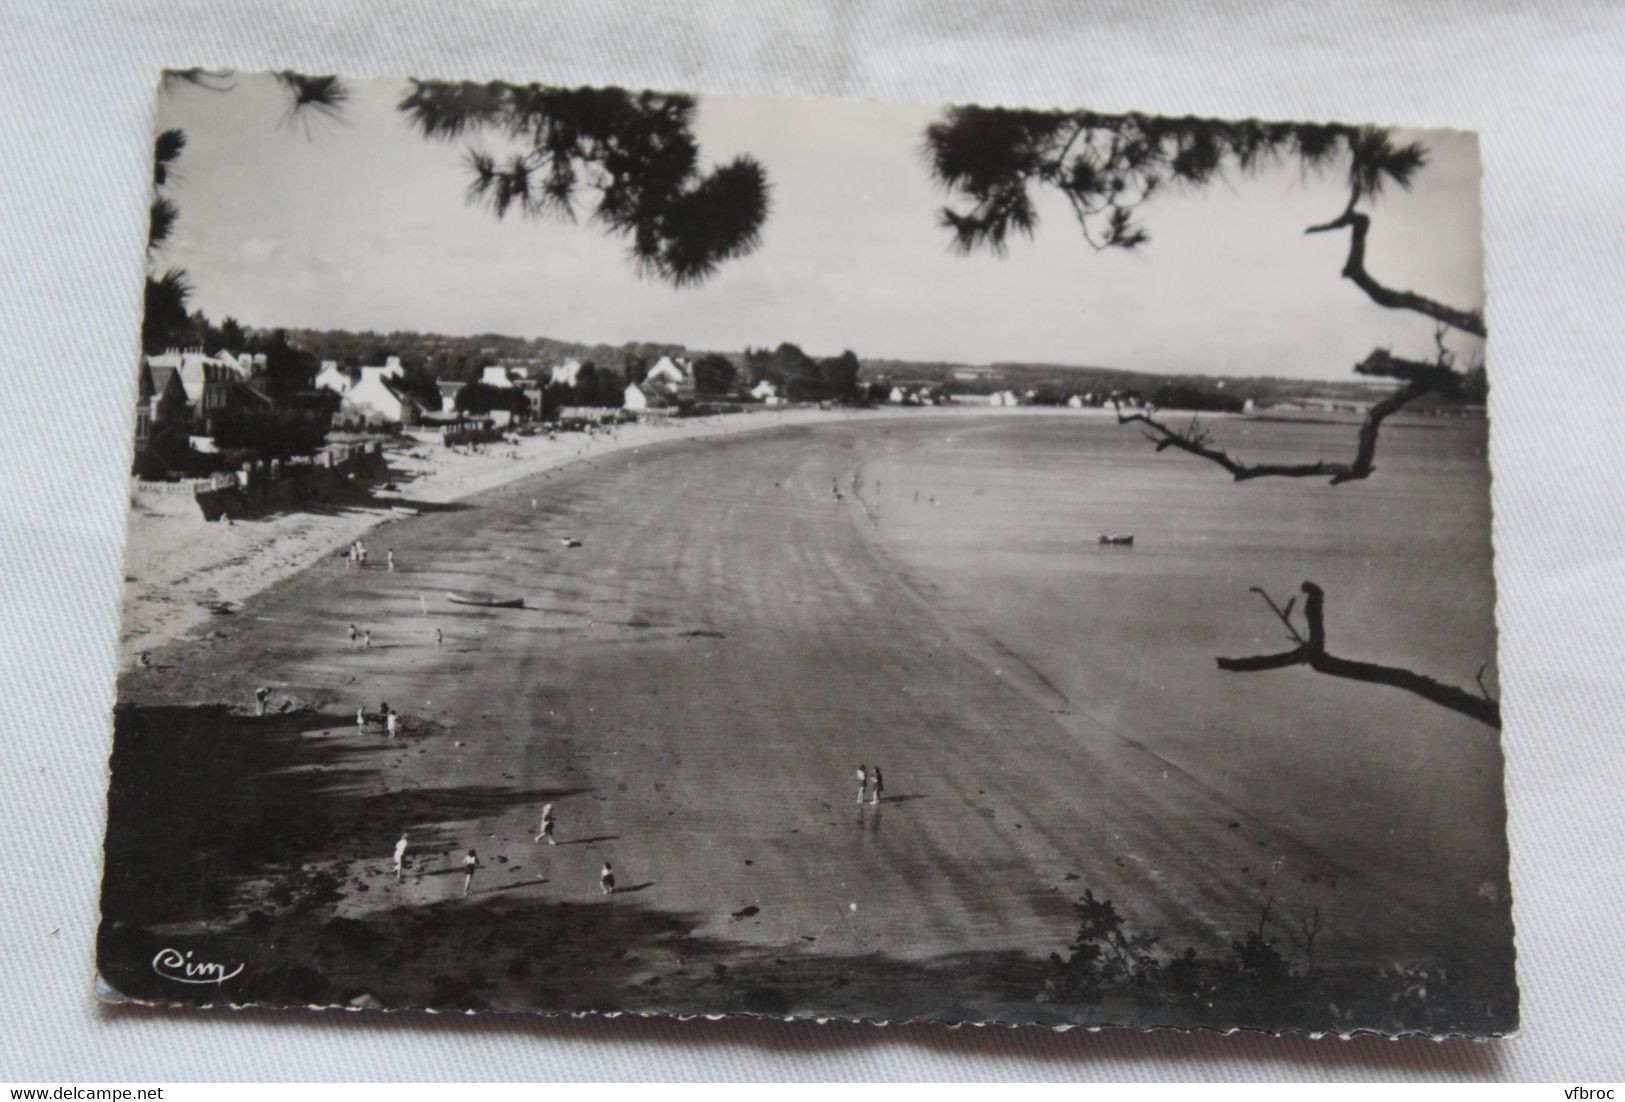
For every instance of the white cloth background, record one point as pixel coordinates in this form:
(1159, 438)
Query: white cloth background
(1540, 81)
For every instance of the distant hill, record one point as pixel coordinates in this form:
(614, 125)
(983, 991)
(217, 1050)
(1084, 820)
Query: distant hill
(437, 356)
(1085, 378)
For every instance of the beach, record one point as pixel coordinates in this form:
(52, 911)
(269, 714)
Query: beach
(713, 639)
(176, 563)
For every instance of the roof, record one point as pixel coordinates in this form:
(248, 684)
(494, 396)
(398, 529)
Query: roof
(403, 396)
(163, 376)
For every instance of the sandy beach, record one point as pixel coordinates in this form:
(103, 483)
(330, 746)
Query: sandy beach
(175, 562)
(692, 687)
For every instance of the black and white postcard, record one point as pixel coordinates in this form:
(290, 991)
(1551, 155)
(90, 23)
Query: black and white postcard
(598, 550)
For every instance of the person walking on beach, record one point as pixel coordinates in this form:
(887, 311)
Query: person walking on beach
(355, 636)
(606, 879)
(470, 863)
(361, 554)
(389, 559)
(260, 696)
(879, 786)
(544, 829)
(439, 637)
(392, 726)
(863, 781)
(366, 639)
(360, 717)
(400, 858)
(349, 555)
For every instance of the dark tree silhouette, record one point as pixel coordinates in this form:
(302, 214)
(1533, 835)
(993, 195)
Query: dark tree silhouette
(714, 374)
(1108, 167)
(1311, 651)
(636, 150)
(1419, 378)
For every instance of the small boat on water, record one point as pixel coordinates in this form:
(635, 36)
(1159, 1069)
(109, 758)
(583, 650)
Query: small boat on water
(1115, 540)
(484, 600)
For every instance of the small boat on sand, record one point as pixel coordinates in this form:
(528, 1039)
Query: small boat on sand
(1115, 540)
(484, 600)
(405, 510)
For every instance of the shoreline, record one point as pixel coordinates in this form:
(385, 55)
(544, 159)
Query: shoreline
(176, 563)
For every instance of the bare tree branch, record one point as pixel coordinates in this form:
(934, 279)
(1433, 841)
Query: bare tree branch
(1312, 653)
(1418, 376)
(1359, 224)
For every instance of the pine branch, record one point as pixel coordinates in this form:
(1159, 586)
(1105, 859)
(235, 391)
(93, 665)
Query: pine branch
(1312, 653)
(1420, 378)
(1358, 225)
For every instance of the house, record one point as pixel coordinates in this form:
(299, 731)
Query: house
(497, 376)
(449, 389)
(565, 373)
(634, 398)
(764, 391)
(335, 378)
(1075, 402)
(160, 400)
(212, 385)
(377, 396)
(896, 394)
(668, 374)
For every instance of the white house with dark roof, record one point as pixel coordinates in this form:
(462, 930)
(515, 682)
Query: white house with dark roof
(377, 396)
(335, 378)
(667, 374)
(213, 385)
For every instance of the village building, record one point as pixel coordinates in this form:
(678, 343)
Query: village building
(565, 374)
(160, 400)
(514, 378)
(377, 396)
(212, 385)
(449, 389)
(764, 391)
(335, 378)
(670, 376)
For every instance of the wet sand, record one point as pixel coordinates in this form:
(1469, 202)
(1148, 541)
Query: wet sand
(692, 688)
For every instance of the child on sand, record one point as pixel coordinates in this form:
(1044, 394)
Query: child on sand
(606, 879)
(545, 828)
(260, 695)
(863, 781)
(392, 724)
(438, 637)
(400, 857)
(470, 863)
(361, 717)
(355, 636)
(366, 639)
(879, 787)
(389, 559)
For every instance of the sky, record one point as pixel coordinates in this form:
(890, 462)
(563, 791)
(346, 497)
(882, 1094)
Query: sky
(360, 223)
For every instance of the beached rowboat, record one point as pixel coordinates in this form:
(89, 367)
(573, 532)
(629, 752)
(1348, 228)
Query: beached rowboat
(1116, 540)
(484, 600)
